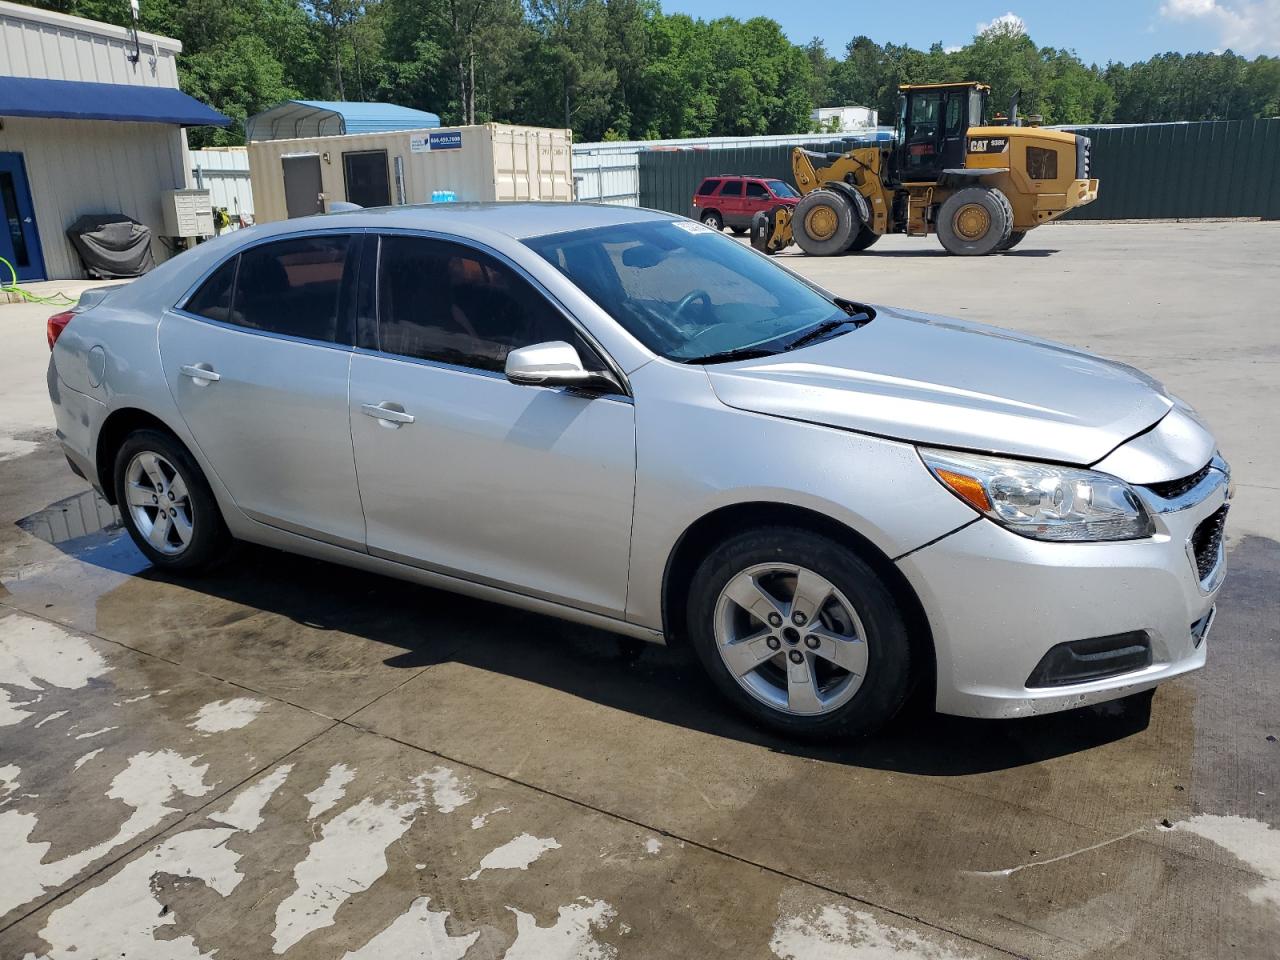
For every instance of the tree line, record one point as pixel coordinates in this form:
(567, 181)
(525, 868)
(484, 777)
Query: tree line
(624, 69)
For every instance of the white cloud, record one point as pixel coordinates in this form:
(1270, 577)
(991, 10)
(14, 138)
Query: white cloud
(1246, 26)
(954, 48)
(1007, 23)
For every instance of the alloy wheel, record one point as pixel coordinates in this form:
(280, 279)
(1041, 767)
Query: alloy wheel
(791, 639)
(159, 503)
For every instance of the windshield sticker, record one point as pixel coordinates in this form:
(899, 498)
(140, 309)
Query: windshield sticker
(689, 226)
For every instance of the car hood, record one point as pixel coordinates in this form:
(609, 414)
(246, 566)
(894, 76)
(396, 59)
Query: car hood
(952, 383)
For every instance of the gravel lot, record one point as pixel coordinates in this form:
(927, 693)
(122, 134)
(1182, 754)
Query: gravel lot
(293, 758)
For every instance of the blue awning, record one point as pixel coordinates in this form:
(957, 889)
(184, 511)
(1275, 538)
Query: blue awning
(73, 100)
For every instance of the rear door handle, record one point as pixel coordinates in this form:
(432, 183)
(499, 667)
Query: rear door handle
(388, 413)
(201, 371)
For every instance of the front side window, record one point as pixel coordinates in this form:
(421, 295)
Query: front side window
(294, 287)
(684, 291)
(756, 190)
(450, 303)
(782, 189)
(922, 120)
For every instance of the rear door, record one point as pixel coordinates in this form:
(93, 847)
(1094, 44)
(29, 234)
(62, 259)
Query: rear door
(465, 473)
(757, 198)
(731, 202)
(258, 362)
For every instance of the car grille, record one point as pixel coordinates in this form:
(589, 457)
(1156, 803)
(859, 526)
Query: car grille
(1206, 542)
(1172, 489)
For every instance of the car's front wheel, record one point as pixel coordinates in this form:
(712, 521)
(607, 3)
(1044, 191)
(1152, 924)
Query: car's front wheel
(166, 503)
(800, 633)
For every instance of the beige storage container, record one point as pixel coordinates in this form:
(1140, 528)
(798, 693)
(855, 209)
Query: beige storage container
(492, 161)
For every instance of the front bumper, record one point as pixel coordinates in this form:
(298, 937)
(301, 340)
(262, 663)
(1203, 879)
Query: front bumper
(997, 602)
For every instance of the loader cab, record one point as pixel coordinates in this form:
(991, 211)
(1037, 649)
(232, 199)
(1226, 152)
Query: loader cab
(933, 120)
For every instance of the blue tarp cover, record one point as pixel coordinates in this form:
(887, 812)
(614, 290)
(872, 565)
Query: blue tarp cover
(74, 100)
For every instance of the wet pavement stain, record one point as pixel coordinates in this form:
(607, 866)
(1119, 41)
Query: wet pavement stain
(1040, 836)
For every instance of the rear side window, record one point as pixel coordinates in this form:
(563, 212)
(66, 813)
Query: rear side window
(294, 287)
(756, 189)
(213, 299)
(732, 188)
(447, 302)
(708, 187)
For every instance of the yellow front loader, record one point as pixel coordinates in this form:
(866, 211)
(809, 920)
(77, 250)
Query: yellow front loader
(979, 186)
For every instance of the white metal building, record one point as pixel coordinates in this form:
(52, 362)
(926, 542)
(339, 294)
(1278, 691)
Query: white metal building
(91, 121)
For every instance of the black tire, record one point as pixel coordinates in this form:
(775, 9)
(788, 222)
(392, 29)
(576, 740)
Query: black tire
(864, 239)
(817, 209)
(740, 231)
(889, 671)
(713, 219)
(209, 541)
(1015, 238)
(998, 219)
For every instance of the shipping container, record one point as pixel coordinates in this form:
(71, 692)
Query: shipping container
(492, 161)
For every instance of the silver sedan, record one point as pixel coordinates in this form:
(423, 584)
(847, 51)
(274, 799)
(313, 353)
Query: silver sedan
(622, 418)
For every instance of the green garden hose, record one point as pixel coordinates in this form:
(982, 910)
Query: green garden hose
(59, 299)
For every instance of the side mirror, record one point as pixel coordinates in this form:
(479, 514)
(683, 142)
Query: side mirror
(553, 364)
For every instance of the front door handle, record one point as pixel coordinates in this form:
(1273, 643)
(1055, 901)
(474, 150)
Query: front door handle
(388, 414)
(201, 373)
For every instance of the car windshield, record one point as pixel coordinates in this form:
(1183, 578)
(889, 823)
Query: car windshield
(781, 189)
(687, 292)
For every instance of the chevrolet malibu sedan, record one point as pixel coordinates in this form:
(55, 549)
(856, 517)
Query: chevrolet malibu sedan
(625, 419)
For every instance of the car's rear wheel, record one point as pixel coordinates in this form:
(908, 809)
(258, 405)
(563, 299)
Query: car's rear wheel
(800, 633)
(713, 220)
(166, 503)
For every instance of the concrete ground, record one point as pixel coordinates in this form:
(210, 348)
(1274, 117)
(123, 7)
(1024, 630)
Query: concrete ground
(294, 758)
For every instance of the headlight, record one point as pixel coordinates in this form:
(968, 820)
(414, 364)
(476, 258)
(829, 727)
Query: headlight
(1040, 500)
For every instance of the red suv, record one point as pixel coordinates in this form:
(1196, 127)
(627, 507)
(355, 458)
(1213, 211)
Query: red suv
(731, 200)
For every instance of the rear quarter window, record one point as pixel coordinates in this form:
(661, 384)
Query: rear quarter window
(708, 187)
(213, 300)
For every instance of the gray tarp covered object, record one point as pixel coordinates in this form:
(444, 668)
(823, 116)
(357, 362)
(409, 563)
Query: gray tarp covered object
(112, 245)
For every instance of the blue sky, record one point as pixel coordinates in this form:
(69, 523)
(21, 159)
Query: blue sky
(1098, 30)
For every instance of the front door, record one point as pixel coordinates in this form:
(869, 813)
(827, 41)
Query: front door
(465, 473)
(954, 128)
(922, 141)
(303, 188)
(19, 239)
(257, 361)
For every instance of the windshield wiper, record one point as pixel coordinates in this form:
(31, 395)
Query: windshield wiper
(857, 315)
(728, 356)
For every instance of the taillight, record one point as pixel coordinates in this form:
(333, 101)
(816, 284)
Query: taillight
(57, 323)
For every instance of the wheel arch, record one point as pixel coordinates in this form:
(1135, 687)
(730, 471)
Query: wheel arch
(117, 426)
(709, 530)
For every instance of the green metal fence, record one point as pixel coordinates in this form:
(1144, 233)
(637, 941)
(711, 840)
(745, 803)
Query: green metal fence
(1225, 168)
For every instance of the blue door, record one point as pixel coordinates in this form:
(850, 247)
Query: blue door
(19, 240)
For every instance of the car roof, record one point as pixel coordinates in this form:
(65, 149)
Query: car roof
(519, 220)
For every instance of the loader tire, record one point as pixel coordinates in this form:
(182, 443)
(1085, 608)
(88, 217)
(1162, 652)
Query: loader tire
(1015, 238)
(975, 221)
(825, 223)
(863, 239)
